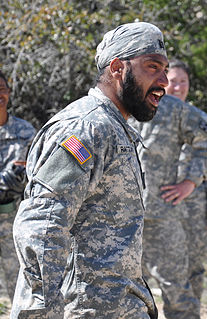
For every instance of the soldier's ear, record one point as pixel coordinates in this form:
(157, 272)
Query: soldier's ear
(116, 67)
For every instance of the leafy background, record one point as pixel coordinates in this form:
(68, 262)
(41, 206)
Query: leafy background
(47, 48)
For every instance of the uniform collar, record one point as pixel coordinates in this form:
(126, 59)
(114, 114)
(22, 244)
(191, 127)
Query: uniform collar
(114, 111)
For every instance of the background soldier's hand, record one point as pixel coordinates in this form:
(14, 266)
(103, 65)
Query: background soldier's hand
(12, 183)
(177, 192)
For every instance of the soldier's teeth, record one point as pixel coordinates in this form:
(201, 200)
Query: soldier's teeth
(157, 93)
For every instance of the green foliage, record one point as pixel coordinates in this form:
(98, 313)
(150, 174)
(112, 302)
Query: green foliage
(184, 26)
(47, 48)
(3, 308)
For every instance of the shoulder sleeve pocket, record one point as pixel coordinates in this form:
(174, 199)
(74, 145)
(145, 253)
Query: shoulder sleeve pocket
(60, 170)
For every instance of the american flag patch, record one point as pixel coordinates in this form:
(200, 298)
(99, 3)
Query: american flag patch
(75, 147)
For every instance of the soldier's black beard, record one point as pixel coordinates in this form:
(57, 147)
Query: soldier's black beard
(132, 98)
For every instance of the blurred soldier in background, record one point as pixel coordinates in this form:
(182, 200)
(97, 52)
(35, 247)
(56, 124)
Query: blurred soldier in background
(166, 253)
(196, 223)
(15, 138)
(83, 209)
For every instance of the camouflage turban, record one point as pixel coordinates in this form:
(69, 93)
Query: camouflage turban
(128, 41)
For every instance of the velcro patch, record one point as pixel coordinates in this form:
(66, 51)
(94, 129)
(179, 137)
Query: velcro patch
(161, 44)
(77, 149)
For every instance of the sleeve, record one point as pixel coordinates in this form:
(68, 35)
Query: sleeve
(193, 157)
(60, 187)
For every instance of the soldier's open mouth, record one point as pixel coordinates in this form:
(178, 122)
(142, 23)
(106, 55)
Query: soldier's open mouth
(154, 97)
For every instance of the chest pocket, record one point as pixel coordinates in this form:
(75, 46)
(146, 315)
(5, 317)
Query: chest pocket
(128, 153)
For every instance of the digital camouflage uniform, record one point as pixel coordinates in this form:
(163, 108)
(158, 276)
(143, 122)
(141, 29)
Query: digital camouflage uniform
(165, 246)
(82, 219)
(15, 137)
(195, 225)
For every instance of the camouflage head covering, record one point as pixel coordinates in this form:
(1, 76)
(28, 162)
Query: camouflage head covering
(128, 41)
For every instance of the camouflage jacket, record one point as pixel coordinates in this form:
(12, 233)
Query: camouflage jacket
(175, 124)
(15, 138)
(82, 219)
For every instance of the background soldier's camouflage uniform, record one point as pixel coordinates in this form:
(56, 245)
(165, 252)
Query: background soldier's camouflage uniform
(15, 137)
(165, 247)
(195, 225)
(82, 223)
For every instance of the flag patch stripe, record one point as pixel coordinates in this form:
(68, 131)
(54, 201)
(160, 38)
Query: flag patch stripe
(74, 146)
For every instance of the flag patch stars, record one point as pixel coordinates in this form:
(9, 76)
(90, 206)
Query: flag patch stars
(77, 149)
